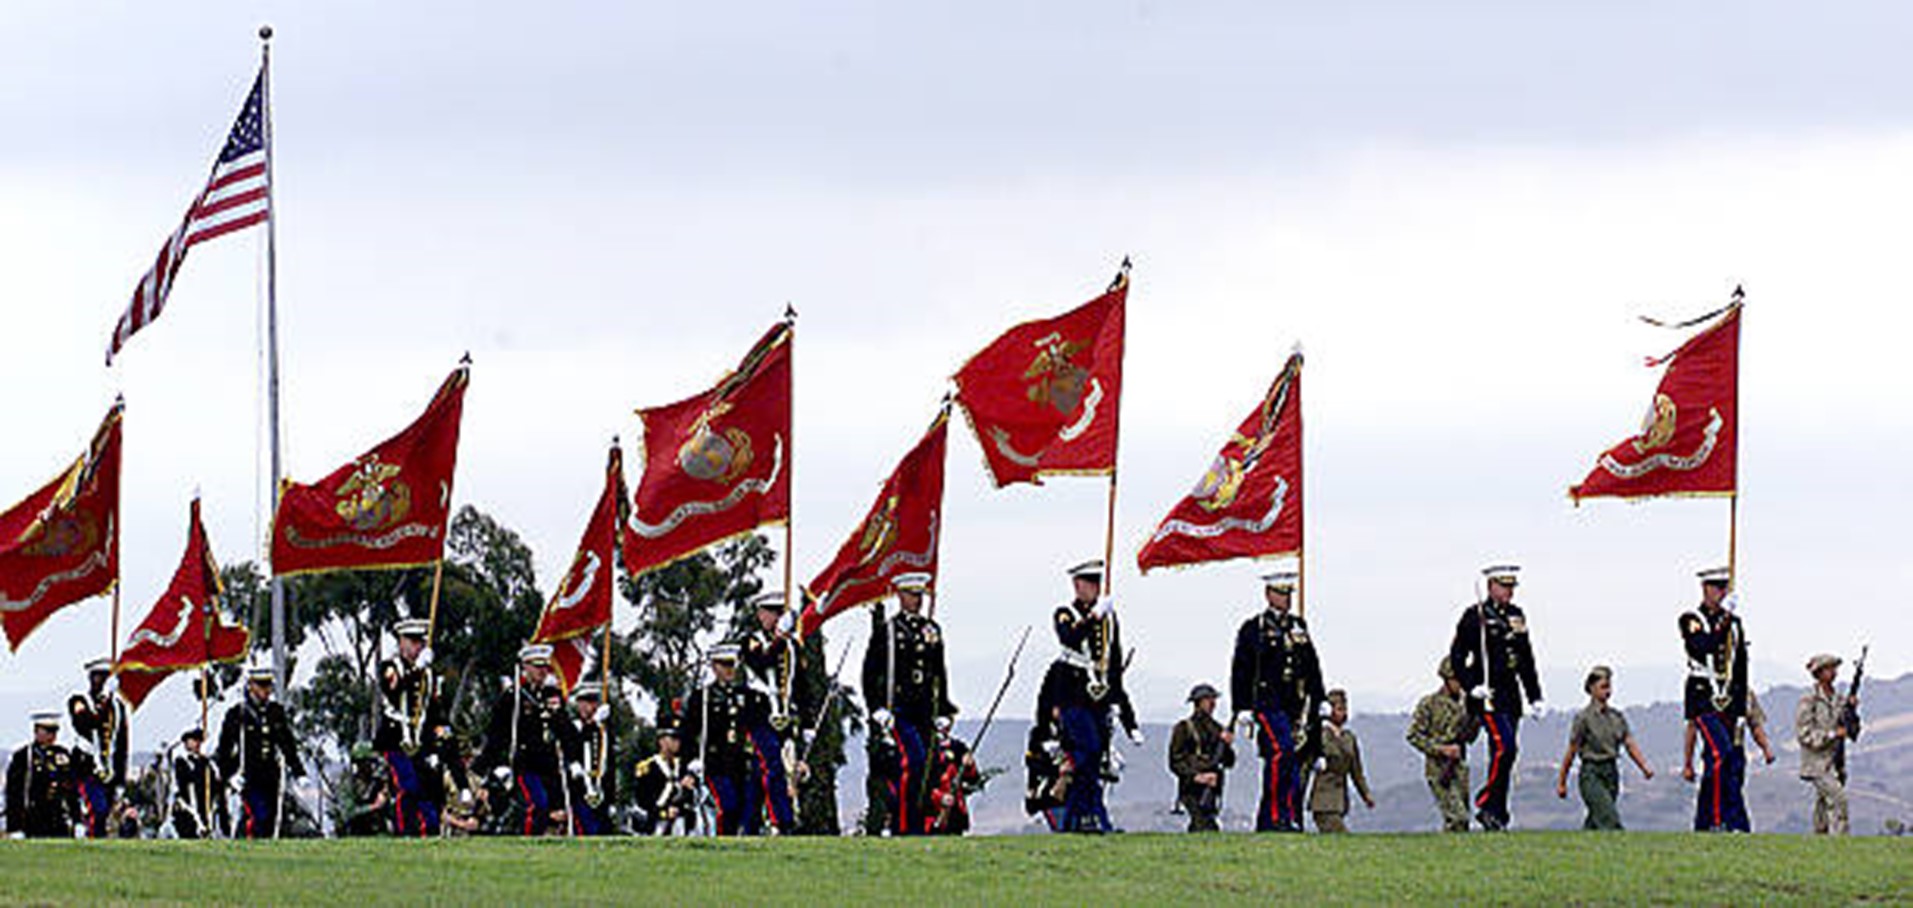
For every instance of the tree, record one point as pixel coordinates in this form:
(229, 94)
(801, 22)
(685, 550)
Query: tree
(678, 603)
(488, 605)
(688, 601)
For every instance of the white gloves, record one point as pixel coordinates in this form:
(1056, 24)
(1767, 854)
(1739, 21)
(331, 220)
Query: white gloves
(1052, 749)
(1537, 709)
(1480, 692)
(881, 718)
(1732, 602)
(787, 623)
(1321, 764)
(465, 798)
(1323, 709)
(424, 657)
(577, 771)
(602, 713)
(112, 684)
(695, 767)
(1135, 736)
(502, 774)
(1105, 607)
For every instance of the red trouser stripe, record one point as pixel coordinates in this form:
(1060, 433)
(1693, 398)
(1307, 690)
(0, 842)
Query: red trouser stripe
(764, 783)
(1494, 762)
(398, 799)
(1715, 768)
(1275, 771)
(903, 785)
(531, 807)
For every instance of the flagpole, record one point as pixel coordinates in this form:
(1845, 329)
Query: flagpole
(431, 615)
(1733, 498)
(936, 539)
(1109, 521)
(790, 516)
(272, 348)
(1301, 519)
(617, 557)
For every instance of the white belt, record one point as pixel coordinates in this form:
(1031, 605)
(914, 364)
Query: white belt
(1076, 659)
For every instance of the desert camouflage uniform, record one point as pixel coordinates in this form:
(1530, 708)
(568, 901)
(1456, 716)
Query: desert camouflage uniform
(1817, 726)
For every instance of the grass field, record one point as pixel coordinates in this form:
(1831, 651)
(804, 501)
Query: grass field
(1521, 868)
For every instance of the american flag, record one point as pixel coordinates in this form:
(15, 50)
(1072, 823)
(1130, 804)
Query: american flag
(235, 198)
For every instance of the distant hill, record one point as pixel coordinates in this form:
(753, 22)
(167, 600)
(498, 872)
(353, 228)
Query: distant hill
(1881, 772)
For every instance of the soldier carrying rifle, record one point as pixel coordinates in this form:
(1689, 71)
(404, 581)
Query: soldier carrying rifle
(1441, 730)
(1200, 751)
(1824, 724)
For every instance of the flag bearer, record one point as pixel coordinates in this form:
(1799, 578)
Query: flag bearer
(1715, 703)
(99, 721)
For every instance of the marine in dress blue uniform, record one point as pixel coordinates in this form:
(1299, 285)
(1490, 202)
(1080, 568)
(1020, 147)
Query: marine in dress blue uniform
(590, 748)
(1494, 660)
(1715, 703)
(524, 741)
(257, 747)
(415, 733)
(1275, 687)
(99, 720)
(1083, 691)
(42, 788)
(907, 685)
(770, 658)
(716, 732)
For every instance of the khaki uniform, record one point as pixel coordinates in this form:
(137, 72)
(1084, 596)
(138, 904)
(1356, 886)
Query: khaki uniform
(1817, 726)
(1195, 747)
(1442, 719)
(1342, 764)
(1600, 733)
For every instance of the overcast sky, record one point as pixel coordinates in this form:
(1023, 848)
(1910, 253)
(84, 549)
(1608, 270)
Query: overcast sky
(1457, 208)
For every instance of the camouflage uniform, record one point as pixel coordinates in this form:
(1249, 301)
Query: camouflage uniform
(1817, 726)
(1442, 718)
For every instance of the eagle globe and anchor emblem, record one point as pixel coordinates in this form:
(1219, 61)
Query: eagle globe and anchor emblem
(715, 455)
(373, 497)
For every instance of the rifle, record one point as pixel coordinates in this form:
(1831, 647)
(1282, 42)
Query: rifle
(830, 699)
(1009, 674)
(1850, 716)
(1850, 710)
(1210, 801)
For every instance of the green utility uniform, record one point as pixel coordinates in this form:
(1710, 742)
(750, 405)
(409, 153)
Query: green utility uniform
(1599, 732)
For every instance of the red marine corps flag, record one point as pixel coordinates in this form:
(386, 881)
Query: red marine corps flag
(386, 509)
(1248, 504)
(1042, 398)
(1686, 446)
(716, 465)
(899, 534)
(581, 607)
(62, 544)
(186, 629)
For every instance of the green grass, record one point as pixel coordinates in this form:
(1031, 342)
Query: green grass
(1521, 868)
